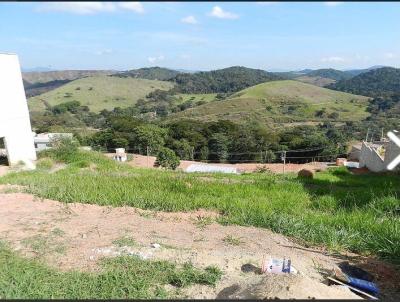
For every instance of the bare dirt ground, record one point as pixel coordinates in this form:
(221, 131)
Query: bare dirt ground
(148, 162)
(3, 170)
(76, 236)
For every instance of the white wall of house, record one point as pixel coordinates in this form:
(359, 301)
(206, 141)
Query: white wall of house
(392, 151)
(15, 125)
(370, 158)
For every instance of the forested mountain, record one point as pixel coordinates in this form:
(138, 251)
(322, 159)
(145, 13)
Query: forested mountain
(150, 73)
(225, 80)
(329, 73)
(356, 72)
(378, 82)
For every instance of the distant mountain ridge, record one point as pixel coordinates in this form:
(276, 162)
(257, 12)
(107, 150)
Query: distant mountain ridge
(61, 75)
(329, 73)
(377, 82)
(149, 73)
(225, 80)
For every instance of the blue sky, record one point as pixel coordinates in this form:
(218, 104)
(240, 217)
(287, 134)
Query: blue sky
(201, 36)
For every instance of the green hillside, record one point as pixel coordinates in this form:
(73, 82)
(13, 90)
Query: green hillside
(61, 75)
(374, 83)
(225, 80)
(330, 73)
(150, 73)
(318, 81)
(283, 102)
(98, 93)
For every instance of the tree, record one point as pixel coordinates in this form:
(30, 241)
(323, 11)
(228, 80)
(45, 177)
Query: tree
(218, 146)
(120, 142)
(150, 136)
(167, 158)
(183, 149)
(203, 153)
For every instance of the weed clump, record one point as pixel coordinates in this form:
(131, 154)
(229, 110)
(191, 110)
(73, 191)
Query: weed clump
(45, 163)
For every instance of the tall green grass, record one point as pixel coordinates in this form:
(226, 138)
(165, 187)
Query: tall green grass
(359, 213)
(120, 278)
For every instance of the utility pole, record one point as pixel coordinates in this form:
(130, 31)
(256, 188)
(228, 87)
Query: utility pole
(283, 157)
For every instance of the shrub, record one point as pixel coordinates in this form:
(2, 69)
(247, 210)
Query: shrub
(64, 148)
(167, 158)
(45, 163)
(305, 173)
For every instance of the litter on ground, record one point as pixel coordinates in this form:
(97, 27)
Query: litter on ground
(277, 266)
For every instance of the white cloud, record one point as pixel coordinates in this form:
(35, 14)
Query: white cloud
(218, 12)
(132, 6)
(333, 59)
(389, 55)
(88, 8)
(153, 60)
(333, 3)
(189, 20)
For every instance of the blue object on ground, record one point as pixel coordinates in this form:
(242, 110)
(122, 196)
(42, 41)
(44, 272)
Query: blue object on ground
(362, 284)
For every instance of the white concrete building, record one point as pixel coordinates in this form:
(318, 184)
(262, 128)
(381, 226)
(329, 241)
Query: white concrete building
(15, 125)
(43, 141)
(376, 156)
(120, 154)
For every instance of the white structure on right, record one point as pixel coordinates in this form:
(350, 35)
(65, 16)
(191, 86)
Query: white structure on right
(120, 154)
(376, 156)
(15, 125)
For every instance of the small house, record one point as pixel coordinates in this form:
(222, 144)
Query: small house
(120, 155)
(43, 141)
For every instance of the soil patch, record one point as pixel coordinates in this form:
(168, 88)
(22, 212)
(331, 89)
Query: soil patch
(76, 236)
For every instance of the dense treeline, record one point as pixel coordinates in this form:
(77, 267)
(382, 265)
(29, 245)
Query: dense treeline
(330, 73)
(149, 73)
(230, 79)
(221, 141)
(378, 82)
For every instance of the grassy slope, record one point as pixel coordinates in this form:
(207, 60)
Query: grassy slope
(206, 97)
(253, 102)
(335, 209)
(120, 278)
(107, 92)
(48, 76)
(318, 81)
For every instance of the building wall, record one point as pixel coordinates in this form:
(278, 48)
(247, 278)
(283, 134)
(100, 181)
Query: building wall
(15, 125)
(370, 159)
(391, 153)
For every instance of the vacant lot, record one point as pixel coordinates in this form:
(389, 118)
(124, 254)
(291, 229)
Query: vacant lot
(335, 212)
(337, 209)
